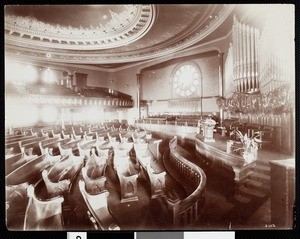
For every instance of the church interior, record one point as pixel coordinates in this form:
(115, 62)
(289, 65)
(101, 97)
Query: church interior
(149, 117)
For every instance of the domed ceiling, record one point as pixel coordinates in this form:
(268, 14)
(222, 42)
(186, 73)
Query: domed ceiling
(108, 35)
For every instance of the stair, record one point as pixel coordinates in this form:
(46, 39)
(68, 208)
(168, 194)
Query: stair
(252, 192)
(257, 185)
(256, 176)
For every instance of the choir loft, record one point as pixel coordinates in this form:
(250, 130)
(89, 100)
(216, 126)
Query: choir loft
(149, 117)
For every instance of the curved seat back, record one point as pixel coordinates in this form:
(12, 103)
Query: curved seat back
(93, 185)
(55, 188)
(41, 215)
(98, 207)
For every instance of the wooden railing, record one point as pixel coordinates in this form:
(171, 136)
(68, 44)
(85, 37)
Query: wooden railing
(187, 210)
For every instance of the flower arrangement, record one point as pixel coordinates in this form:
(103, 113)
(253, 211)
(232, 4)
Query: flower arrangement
(248, 144)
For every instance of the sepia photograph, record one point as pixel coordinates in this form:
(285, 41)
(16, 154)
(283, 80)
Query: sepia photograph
(149, 117)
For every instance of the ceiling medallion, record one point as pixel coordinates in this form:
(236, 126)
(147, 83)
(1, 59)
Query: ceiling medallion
(123, 28)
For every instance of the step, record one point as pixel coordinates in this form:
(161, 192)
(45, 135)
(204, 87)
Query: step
(263, 162)
(252, 184)
(248, 192)
(266, 170)
(241, 199)
(266, 179)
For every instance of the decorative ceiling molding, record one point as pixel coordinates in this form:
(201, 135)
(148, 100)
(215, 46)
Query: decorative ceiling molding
(196, 29)
(123, 28)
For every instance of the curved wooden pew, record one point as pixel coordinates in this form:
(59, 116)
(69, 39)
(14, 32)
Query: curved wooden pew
(66, 134)
(17, 161)
(17, 182)
(98, 209)
(94, 178)
(56, 134)
(29, 172)
(122, 149)
(139, 136)
(84, 148)
(13, 137)
(101, 136)
(127, 175)
(90, 135)
(32, 146)
(53, 145)
(60, 177)
(101, 158)
(13, 147)
(18, 138)
(43, 214)
(71, 146)
(156, 179)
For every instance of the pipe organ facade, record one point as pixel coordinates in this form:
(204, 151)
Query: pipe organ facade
(245, 57)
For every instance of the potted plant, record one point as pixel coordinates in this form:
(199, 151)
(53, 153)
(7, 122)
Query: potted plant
(248, 145)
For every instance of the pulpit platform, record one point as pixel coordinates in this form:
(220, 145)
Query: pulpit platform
(245, 180)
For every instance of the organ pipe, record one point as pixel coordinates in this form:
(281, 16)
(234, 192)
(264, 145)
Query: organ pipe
(276, 66)
(245, 51)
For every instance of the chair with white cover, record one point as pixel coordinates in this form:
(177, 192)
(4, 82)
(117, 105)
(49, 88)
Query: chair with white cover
(43, 215)
(98, 208)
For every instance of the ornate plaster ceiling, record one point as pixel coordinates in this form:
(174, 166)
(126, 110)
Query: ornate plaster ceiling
(108, 34)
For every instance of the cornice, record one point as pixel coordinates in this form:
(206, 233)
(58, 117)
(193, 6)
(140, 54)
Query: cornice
(123, 28)
(14, 47)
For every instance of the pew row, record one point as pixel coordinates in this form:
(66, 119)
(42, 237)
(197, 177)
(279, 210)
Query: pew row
(13, 147)
(94, 178)
(69, 147)
(127, 174)
(43, 214)
(98, 209)
(16, 161)
(156, 179)
(60, 177)
(52, 143)
(18, 181)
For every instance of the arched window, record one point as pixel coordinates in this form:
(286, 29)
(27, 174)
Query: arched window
(186, 80)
